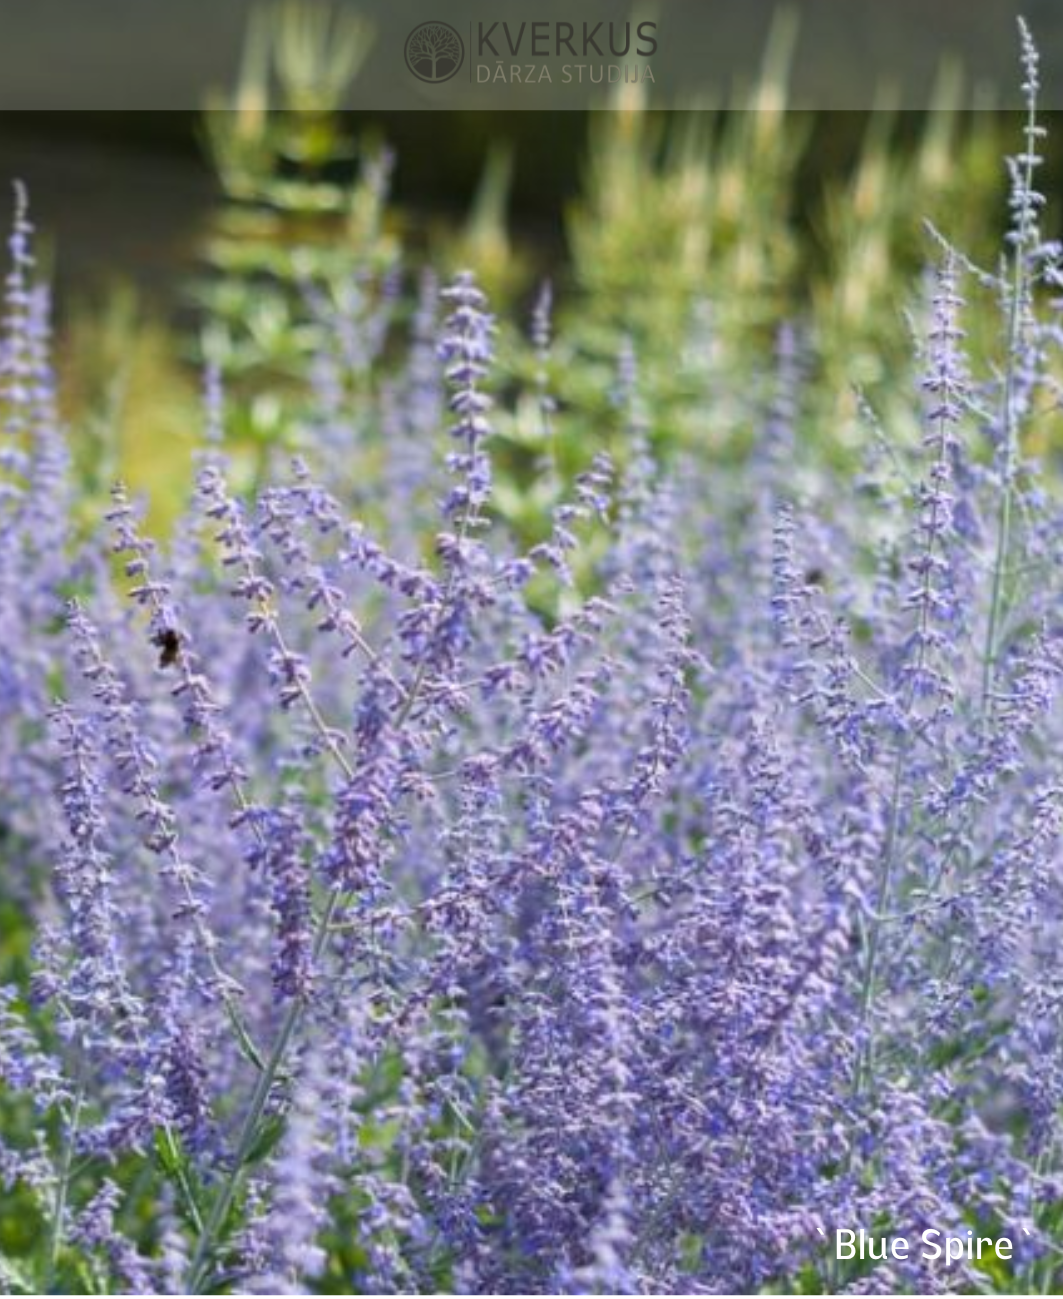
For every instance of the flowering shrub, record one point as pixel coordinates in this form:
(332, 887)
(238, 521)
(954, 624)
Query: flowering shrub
(419, 915)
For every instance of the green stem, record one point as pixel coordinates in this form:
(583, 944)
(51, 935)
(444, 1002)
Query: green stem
(866, 1057)
(249, 1129)
(62, 1186)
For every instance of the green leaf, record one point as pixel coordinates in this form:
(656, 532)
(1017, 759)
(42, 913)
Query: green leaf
(178, 1168)
(15, 1277)
(168, 1147)
(269, 1133)
(243, 1037)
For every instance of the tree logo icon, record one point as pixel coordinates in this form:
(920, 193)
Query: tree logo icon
(434, 52)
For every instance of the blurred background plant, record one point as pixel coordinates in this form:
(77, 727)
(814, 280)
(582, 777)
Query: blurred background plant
(685, 215)
(871, 238)
(133, 401)
(687, 234)
(302, 212)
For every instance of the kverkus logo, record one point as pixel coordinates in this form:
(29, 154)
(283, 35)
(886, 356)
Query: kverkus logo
(434, 51)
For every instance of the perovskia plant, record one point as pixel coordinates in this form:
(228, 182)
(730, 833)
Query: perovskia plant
(416, 913)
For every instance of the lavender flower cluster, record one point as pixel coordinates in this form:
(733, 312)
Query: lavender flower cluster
(418, 914)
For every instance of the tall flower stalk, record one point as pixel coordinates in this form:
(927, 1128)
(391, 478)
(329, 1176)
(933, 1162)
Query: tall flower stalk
(922, 679)
(1022, 240)
(465, 349)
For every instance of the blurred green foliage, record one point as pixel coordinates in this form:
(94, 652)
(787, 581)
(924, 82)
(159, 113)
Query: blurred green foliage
(133, 403)
(303, 211)
(691, 233)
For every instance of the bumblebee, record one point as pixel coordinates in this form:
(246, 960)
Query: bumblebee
(169, 644)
